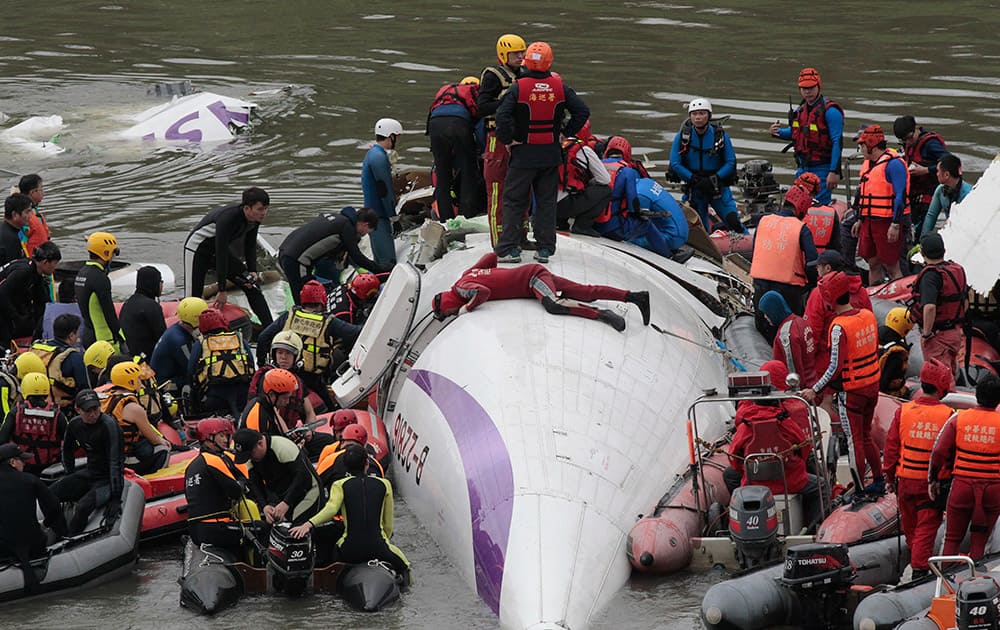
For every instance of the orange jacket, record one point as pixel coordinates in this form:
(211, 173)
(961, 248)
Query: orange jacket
(859, 358)
(777, 255)
(919, 425)
(876, 194)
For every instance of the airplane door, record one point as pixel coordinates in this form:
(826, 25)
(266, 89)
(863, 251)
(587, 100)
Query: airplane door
(382, 337)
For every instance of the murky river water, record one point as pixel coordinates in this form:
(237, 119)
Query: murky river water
(345, 64)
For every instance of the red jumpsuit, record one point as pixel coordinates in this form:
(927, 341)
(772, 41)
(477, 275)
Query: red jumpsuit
(819, 315)
(970, 441)
(795, 461)
(795, 337)
(908, 445)
(485, 282)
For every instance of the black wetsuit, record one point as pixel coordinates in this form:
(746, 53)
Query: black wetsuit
(285, 474)
(142, 319)
(10, 243)
(326, 238)
(23, 296)
(211, 486)
(218, 242)
(20, 535)
(364, 501)
(93, 295)
(101, 482)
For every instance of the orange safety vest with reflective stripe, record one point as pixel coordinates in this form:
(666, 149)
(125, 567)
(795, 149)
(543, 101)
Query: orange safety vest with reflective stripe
(859, 354)
(876, 194)
(919, 425)
(777, 255)
(977, 444)
(820, 221)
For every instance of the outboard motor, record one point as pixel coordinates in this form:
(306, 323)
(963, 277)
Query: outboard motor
(290, 560)
(760, 189)
(753, 525)
(821, 575)
(977, 604)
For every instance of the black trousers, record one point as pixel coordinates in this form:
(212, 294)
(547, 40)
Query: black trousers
(517, 191)
(585, 206)
(88, 494)
(204, 259)
(454, 148)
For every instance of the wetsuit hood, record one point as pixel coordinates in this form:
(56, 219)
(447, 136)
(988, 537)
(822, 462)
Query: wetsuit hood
(147, 281)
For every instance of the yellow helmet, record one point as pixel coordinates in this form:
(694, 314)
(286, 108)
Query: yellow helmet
(35, 384)
(189, 309)
(509, 43)
(470, 80)
(28, 362)
(127, 375)
(104, 245)
(98, 353)
(899, 320)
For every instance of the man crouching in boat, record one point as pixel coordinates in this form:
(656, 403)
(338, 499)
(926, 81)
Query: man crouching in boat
(281, 478)
(485, 282)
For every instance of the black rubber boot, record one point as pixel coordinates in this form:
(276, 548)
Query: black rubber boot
(612, 319)
(640, 299)
(554, 307)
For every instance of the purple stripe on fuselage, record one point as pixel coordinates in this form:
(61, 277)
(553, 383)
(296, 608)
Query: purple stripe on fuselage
(488, 473)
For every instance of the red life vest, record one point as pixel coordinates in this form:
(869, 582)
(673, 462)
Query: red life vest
(810, 133)
(859, 354)
(610, 210)
(36, 429)
(777, 255)
(919, 426)
(922, 187)
(540, 106)
(951, 299)
(820, 221)
(977, 444)
(573, 176)
(877, 196)
(463, 94)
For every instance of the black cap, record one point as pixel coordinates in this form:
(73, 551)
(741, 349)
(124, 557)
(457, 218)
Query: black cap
(244, 442)
(830, 257)
(10, 451)
(87, 399)
(932, 245)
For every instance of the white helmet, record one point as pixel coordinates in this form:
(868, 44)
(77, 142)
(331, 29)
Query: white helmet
(386, 127)
(700, 104)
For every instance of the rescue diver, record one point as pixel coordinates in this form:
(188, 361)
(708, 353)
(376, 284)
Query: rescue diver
(219, 367)
(212, 484)
(93, 293)
(281, 478)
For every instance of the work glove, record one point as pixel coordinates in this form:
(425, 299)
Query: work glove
(706, 186)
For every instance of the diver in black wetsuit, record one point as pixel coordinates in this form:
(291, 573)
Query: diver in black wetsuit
(218, 241)
(141, 316)
(24, 292)
(93, 293)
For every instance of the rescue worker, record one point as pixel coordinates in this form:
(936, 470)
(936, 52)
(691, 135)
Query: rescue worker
(908, 445)
(853, 374)
(141, 316)
(26, 363)
(940, 298)
(339, 421)
(783, 247)
(101, 482)
(16, 213)
(331, 465)
(326, 340)
(485, 281)
(377, 186)
(220, 367)
(320, 246)
(173, 351)
(584, 185)
(815, 130)
(263, 414)
(702, 156)
(24, 292)
(822, 221)
(281, 478)
(93, 292)
(797, 410)
(35, 424)
(145, 449)
(894, 352)
(286, 348)
(212, 485)
(921, 149)
(661, 226)
(624, 213)
(226, 240)
(951, 189)
(450, 125)
(366, 505)
(969, 446)
(63, 360)
(819, 314)
(493, 85)
(21, 537)
(37, 230)
(353, 302)
(793, 342)
(882, 203)
(530, 120)
(96, 359)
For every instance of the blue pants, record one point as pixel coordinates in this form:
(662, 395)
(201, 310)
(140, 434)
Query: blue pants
(383, 248)
(654, 234)
(724, 204)
(825, 196)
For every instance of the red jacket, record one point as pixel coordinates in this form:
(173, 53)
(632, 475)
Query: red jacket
(819, 316)
(795, 461)
(485, 281)
(802, 342)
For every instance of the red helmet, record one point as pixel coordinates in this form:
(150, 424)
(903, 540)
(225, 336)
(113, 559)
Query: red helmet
(809, 77)
(538, 57)
(210, 426)
(620, 144)
(585, 133)
(937, 374)
(343, 418)
(800, 199)
(365, 285)
(278, 381)
(356, 433)
(809, 181)
(833, 285)
(212, 320)
(312, 293)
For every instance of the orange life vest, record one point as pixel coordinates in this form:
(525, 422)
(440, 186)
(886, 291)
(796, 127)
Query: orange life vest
(776, 254)
(977, 444)
(876, 192)
(820, 221)
(919, 425)
(859, 355)
(113, 401)
(539, 112)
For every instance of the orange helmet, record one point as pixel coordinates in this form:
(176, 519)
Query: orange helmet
(833, 285)
(809, 181)
(312, 293)
(365, 285)
(871, 136)
(211, 320)
(343, 418)
(356, 433)
(278, 381)
(620, 144)
(538, 57)
(935, 373)
(800, 199)
(809, 77)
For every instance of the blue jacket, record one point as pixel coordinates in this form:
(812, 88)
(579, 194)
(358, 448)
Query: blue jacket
(699, 158)
(376, 182)
(170, 356)
(895, 171)
(653, 197)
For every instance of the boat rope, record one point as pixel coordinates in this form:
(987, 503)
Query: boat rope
(209, 556)
(713, 449)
